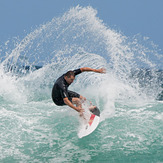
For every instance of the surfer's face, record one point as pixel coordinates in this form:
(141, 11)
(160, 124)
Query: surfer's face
(70, 79)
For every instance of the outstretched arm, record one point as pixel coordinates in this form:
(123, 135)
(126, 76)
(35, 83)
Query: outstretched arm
(101, 70)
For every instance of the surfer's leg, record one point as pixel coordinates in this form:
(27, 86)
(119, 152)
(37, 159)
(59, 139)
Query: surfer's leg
(92, 107)
(74, 98)
(76, 101)
(72, 94)
(82, 98)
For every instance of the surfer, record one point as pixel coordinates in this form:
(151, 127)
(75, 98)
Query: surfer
(62, 96)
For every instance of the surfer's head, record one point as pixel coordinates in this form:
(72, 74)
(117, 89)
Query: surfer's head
(69, 77)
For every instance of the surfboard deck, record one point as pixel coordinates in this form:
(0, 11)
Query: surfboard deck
(87, 127)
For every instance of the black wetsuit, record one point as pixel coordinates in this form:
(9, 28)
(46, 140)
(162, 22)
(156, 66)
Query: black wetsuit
(60, 90)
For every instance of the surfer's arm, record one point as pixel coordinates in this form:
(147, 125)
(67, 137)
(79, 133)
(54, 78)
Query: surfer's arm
(101, 70)
(69, 103)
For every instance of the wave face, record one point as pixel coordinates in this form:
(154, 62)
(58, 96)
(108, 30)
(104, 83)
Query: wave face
(33, 128)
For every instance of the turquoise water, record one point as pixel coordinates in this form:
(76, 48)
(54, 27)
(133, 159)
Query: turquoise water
(40, 132)
(33, 129)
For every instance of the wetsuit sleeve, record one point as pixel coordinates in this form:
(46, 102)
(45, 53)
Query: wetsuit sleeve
(77, 71)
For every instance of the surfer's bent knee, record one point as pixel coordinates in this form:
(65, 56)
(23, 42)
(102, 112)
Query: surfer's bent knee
(76, 101)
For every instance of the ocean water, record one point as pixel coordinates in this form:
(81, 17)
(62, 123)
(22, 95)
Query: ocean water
(34, 129)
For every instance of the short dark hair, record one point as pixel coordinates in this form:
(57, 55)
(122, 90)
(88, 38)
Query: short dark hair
(69, 74)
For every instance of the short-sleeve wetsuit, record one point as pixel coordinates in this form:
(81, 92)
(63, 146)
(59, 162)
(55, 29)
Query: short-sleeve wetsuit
(60, 90)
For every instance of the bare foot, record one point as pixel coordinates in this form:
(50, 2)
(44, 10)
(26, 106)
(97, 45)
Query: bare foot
(92, 108)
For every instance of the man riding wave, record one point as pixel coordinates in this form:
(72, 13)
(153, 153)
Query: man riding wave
(62, 96)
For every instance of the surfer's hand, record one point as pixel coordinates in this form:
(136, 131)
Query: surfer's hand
(102, 70)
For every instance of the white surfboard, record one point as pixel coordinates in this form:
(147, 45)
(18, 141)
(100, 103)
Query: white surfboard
(89, 124)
